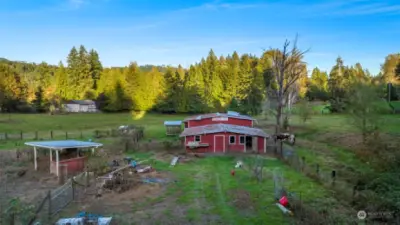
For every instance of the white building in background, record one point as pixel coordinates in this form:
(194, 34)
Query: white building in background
(80, 106)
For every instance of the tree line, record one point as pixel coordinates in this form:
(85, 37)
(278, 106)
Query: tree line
(236, 82)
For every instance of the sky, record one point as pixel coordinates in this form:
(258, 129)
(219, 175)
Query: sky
(172, 32)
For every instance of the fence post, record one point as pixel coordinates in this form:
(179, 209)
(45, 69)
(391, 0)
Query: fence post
(126, 145)
(87, 179)
(303, 161)
(49, 210)
(73, 188)
(66, 135)
(36, 135)
(333, 177)
(317, 169)
(51, 135)
(5, 135)
(81, 135)
(22, 135)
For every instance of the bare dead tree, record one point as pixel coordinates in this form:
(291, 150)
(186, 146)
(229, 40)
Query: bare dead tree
(287, 69)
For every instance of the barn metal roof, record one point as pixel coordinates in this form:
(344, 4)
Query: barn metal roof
(81, 102)
(218, 128)
(63, 144)
(230, 114)
(173, 123)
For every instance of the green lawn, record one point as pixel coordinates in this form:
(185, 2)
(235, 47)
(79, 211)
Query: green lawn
(206, 189)
(13, 124)
(395, 104)
(339, 123)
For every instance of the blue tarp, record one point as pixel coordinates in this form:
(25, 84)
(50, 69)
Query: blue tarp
(63, 144)
(173, 123)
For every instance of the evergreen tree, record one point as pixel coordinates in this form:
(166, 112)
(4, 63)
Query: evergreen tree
(95, 67)
(38, 103)
(73, 75)
(61, 81)
(85, 76)
(397, 72)
(318, 85)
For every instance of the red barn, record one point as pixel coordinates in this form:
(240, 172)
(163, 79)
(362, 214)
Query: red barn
(232, 118)
(224, 138)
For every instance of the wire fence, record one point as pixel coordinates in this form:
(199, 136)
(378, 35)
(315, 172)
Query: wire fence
(57, 134)
(341, 183)
(43, 209)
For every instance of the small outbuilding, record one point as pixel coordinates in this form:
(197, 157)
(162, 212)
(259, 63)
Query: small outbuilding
(80, 106)
(173, 127)
(67, 154)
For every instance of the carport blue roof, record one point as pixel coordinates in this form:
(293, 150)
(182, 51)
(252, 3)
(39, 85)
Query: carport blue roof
(63, 144)
(173, 123)
(219, 128)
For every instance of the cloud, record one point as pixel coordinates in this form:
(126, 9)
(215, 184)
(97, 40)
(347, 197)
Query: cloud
(219, 5)
(354, 8)
(77, 3)
(369, 9)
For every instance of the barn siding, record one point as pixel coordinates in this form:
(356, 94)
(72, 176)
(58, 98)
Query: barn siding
(260, 145)
(208, 121)
(209, 139)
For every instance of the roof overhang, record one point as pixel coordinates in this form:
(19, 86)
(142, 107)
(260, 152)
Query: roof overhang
(219, 128)
(63, 144)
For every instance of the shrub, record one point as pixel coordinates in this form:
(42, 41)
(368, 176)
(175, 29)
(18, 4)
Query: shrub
(304, 110)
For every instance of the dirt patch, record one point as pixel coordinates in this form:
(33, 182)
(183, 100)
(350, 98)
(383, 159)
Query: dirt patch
(124, 206)
(242, 200)
(167, 157)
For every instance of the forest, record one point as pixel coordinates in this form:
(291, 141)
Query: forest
(236, 82)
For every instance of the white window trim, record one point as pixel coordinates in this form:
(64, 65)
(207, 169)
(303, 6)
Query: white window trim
(244, 139)
(230, 139)
(197, 136)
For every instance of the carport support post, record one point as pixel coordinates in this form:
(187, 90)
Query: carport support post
(51, 158)
(35, 157)
(57, 162)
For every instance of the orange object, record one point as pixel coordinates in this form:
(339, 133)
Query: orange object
(233, 172)
(284, 201)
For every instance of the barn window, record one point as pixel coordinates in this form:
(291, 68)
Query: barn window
(186, 125)
(241, 140)
(232, 139)
(197, 138)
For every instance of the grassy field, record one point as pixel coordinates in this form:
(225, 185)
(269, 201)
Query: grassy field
(208, 194)
(205, 188)
(78, 126)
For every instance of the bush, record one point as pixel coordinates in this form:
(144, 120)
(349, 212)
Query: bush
(304, 110)
(167, 145)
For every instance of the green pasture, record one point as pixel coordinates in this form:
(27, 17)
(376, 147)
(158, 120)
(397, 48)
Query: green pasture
(206, 189)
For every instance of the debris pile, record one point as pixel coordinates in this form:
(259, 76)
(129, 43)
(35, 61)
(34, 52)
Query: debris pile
(124, 178)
